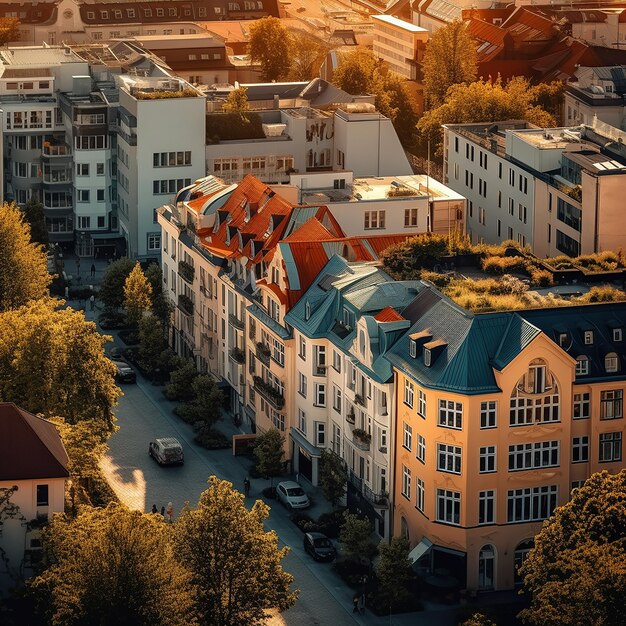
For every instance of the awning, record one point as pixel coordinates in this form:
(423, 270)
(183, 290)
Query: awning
(104, 236)
(449, 551)
(420, 550)
(302, 442)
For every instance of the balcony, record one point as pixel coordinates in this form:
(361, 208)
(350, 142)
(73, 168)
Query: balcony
(238, 355)
(236, 322)
(361, 439)
(53, 177)
(378, 499)
(185, 304)
(56, 150)
(319, 370)
(186, 271)
(273, 396)
(263, 353)
(358, 399)
(355, 481)
(350, 416)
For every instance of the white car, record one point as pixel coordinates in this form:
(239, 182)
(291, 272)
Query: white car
(292, 495)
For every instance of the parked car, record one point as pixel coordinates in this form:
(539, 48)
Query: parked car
(125, 373)
(115, 353)
(167, 451)
(292, 495)
(319, 546)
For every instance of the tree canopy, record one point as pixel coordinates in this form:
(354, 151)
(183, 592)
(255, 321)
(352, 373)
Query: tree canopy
(307, 54)
(23, 265)
(112, 567)
(356, 72)
(269, 452)
(393, 570)
(449, 59)
(269, 44)
(9, 30)
(112, 286)
(34, 215)
(237, 101)
(206, 405)
(137, 295)
(332, 479)
(356, 537)
(576, 573)
(406, 260)
(52, 362)
(235, 564)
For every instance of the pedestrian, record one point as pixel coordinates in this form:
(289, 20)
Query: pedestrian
(93, 270)
(355, 603)
(246, 486)
(298, 477)
(163, 511)
(170, 512)
(362, 603)
(154, 509)
(92, 302)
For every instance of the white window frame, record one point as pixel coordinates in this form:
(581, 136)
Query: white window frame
(580, 449)
(320, 394)
(407, 436)
(406, 482)
(449, 458)
(486, 507)
(448, 510)
(421, 448)
(409, 392)
(488, 459)
(450, 414)
(488, 414)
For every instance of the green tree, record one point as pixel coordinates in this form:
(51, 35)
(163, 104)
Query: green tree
(34, 214)
(576, 573)
(9, 30)
(449, 59)
(137, 295)
(112, 286)
(356, 538)
(112, 567)
(356, 72)
(406, 260)
(269, 452)
(235, 563)
(162, 307)
(23, 265)
(9, 511)
(152, 343)
(270, 45)
(237, 101)
(549, 97)
(52, 362)
(332, 479)
(308, 53)
(207, 403)
(394, 101)
(393, 571)
(181, 380)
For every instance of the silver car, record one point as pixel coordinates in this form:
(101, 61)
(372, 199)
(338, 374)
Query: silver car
(292, 495)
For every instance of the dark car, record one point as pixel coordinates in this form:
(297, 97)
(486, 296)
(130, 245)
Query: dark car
(124, 373)
(319, 546)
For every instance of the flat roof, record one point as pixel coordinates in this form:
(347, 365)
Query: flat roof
(394, 21)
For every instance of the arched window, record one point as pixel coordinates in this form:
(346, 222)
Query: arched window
(535, 397)
(486, 567)
(521, 554)
(611, 363)
(361, 342)
(404, 528)
(582, 365)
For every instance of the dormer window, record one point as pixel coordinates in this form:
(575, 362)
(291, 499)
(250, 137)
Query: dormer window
(307, 310)
(432, 350)
(588, 336)
(582, 366)
(347, 318)
(412, 348)
(617, 334)
(562, 339)
(361, 342)
(427, 357)
(611, 363)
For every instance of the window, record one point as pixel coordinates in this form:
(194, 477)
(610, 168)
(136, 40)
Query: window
(100, 195)
(588, 337)
(82, 169)
(531, 504)
(101, 221)
(409, 391)
(526, 456)
(610, 447)
(406, 482)
(407, 438)
(42, 495)
(320, 434)
(421, 449)
(576, 484)
(374, 220)
(582, 405)
(611, 363)
(84, 222)
(427, 357)
(535, 398)
(420, 491)
(336, 398)
(582, 366)
(319, 358)
(421, 404)
(130, 13)
(448, 506)
(611, 406)
(486, 506)
(450, 414)
(337, 361)
(448, 458)
(82, 195)
(302, 348)
(580, 449)
(100, 169)
(487, 456)
(617, 334)
(278, 352)
(154, 241)
(410, 217)
(488, 411)
(302, 384)
(320, 394)
(412, 348)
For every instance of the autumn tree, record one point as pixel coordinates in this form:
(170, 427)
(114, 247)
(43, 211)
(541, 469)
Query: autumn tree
(112, 286)
(137, 295)
(576, 572)
(307, 54)
(269, 452)
(235, 564)
(34, 215)
(112, 567)
(356, 538)
(52, 361)
(356, 71)
(23, 265)
(270, 45)
(393, 571)
(478, 619)
(9, 30)
(449, 59)
(332, 478)
(237, 101)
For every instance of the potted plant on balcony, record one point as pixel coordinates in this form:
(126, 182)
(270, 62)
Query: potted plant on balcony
(359, 399)
(263, 348)
(362, 435)
(350, 416)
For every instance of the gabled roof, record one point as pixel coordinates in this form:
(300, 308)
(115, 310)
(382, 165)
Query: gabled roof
(30, 446)
(388, 315)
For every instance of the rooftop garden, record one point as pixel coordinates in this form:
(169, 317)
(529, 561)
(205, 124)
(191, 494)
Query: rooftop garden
(233, 126)
(165, 95)
(510, 274)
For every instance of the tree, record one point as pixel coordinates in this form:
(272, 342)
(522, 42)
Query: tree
(355, 537)
(394, 571)
(137, 295)
(356, 71)
(112, 286)
(394, 101)
(34, 215)
(269, 44)
(269, 452)
(181, 380)
(576, 572)
(237, 101)
(449, 59)
(332, 479)
(406, 260)
(478, 619)
(484, 101)
(9, 30)
(9, 511)
(549, 97)
(152, 343)
(235, 565)
(52, 362)
(23, 265)
(207, 403)
(112, 567)
(162, 307)
(308, 53)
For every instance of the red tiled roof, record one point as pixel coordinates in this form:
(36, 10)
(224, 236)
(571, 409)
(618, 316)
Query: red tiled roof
(311, 230)
(388, 315)
(30, 447)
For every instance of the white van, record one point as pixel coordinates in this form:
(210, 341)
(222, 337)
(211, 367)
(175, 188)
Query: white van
(167, 451)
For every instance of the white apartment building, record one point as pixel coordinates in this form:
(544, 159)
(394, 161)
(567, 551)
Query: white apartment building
(557, 190)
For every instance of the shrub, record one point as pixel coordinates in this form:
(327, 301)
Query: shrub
(181, 379)
(602, 294)
(352, 572)
(229, 126)
(505, 264)
(212, 439)
(304, 522)
(165, 95)
(541, 278)
(439, 280)
(330, 523)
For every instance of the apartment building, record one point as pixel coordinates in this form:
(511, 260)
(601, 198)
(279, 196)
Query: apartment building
(499, 416)
(556, 190)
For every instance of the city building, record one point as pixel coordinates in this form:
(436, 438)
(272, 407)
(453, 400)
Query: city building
(499, 416)
(556, 190)
(33, 463)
